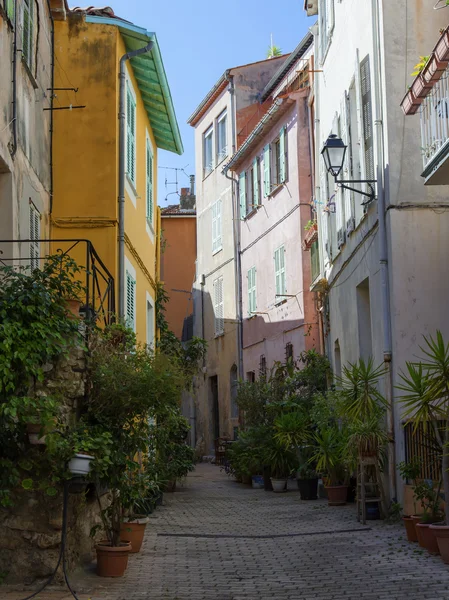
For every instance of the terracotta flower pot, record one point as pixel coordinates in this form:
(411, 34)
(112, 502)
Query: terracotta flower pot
(433, 70)
(336, 494)
(427, 538)
(420, 88)
(410, 104)
(442, 48)
(417, 519)
(134, 531)
(410, 529)
(74, 307)
(441, 532)
(112, 560)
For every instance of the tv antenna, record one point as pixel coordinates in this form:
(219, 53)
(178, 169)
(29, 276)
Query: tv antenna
(175, 182)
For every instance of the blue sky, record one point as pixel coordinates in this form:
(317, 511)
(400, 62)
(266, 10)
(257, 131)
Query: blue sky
(199, 40)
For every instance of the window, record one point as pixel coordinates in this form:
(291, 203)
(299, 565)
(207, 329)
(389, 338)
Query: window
(288, 351)
(130, 134)
(150, 323)
(35, 234)
(222, 143)
(27, 32)
(367, 117)
(149, 187)
(279, 269)
(218, 306)
(326, 26)
(9, 7)
(130, 301)
(315, 260)
(208, 158)
(251, 376)
(262, 366)
(252, 302)
(216, 227)
(275, 163)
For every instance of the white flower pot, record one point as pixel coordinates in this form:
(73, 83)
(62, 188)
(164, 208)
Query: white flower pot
(279, 485)
(80, 464)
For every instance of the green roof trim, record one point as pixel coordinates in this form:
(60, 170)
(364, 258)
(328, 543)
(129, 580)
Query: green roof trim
(152, 81)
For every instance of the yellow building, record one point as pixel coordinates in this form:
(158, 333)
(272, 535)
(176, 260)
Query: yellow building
(115, 113)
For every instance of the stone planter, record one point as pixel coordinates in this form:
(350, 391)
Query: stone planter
(279, 485)
(112, 560)
(134, 531)
(80, 464)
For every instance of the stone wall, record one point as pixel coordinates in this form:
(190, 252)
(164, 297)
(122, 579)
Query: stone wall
(31, 529)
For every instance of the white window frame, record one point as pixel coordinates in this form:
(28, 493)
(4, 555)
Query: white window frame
(326, 17)
(218, 306)
(28, 46)
(149, 187)
(131, 178)
(217, 238)
(151, 329)
(221, 153)
(35, 234)
(252, 290)
(279, 276)
(130, 277)
(208, 168)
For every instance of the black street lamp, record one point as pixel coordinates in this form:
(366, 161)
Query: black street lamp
(333, 153)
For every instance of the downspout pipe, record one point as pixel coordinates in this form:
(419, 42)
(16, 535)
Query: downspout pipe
(14, 84)
(121, 177)
(236, 231)
(53, 52)
(383, 247)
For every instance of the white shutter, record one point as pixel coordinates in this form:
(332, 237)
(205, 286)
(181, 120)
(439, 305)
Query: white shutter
(339, 201)
(346, 174)
(266, 171)
(324, 218)
(149, 176)
(282, 270)
(251, 290)
(216, 226)
(242, 193)
(130, 302)
(219, 306)
(256, 190)
(279, 269)
(282, 157)
(35, 234)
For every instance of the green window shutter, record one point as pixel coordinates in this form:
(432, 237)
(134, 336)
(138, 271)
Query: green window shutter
(35, 234)
(251, 290)
(282, 158)
(256, 191)
(149, 176)
(130, 135)
(277, 275)
(10, 10)
(266, 171)
(130, 302)
(27, 32)
(242, 193)
(279, 269)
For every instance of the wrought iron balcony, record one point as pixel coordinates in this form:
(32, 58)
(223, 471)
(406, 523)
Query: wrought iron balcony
(98, 305)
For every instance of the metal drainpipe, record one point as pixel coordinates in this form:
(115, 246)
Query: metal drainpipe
(236, 227)
(383, 248)
(121, 179)
(51, 104)
(14, 85)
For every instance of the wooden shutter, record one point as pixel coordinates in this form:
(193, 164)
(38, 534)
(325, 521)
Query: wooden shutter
(218, 306)
(252, 290)
(324, 218)
(27, 32)
(216, 226)
(282, 156)
(242, 194)
(279, 268)
(282, 269)
(35, 231)
(367, 117)
(149, 169)
(348, 196)
(256, 190)
(266, 171)
(130, 135)
(218, 217)
(10, 10)
(339, 199)
(130, 302)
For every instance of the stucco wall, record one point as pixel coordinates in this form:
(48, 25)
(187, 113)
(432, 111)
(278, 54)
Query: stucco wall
(25, 177)
(178, 268)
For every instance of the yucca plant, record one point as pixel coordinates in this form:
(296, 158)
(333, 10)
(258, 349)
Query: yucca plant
(330, 456)
(426, 397)
(359, 389)
(292, 429)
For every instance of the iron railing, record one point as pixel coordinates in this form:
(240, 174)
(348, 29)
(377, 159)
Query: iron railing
(435, 120)
(421, 444)
(99, 301)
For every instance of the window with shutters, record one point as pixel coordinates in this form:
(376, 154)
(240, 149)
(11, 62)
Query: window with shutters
(218, 306)
(267, 171)
(150, 322)
(288, 351)
(208, 158)
(130, 134)
(262, 366)
(216, 227)
(326, 26)
(130, 301)
(315, 260)
(279, 159)
(252, 294)
(28, 32)
(279, 273)
(35, 234)
(222, 141)
(367, 117)
(149, 186)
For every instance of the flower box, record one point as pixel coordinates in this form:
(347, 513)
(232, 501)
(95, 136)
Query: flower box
(310, 237)
(433, 70)
(442, 48)
(420, 88)
(410, 104)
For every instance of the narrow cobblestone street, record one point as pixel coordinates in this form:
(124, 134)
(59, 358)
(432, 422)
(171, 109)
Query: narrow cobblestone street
(217, 539)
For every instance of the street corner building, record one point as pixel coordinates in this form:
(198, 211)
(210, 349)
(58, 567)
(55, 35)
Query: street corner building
(105, 168)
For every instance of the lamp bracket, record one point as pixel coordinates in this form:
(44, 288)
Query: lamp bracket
(370, 182)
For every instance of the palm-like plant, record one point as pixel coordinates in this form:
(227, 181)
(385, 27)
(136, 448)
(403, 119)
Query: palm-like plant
(330, 454)
(426, 397)
(292, 429)
(359, 388)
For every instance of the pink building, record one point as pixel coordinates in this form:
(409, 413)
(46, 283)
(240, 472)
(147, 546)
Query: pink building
(274, 170)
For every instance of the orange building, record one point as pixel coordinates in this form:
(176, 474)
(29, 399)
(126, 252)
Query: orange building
(178, 259)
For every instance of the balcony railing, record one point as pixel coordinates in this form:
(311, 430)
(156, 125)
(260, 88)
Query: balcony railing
(98, 304)
(435, 121)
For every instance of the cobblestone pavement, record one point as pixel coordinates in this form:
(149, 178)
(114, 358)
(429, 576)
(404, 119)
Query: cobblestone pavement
(220, 540)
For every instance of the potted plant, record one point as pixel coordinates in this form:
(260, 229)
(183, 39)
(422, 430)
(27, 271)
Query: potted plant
(425, 387)
(430, 500)
(410, 472)
(330, 459)
(134, 521)
(307, 481)
(282, 464)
